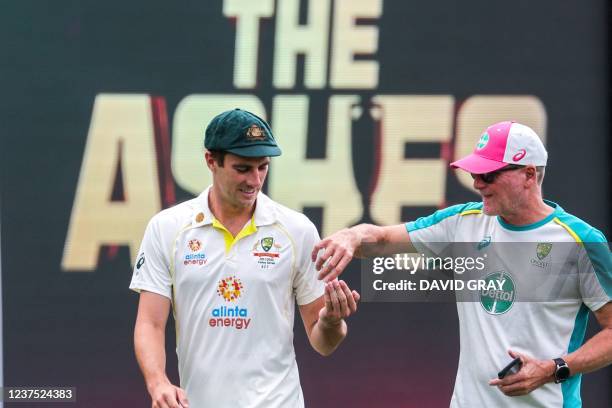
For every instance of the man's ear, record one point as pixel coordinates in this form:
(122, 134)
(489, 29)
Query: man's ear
(210, 160)
(531, 175)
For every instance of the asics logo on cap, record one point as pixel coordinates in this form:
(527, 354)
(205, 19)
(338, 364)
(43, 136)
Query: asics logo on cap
(521, 153)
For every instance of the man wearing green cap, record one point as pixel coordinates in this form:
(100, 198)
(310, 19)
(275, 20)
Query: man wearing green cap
(232, 263)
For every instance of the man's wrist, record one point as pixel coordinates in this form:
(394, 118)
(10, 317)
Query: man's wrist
(562, 370)
(551, 368)
(156, 382)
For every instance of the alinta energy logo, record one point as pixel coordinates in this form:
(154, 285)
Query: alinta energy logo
(230, 289)
(500, 300)
(196, 257)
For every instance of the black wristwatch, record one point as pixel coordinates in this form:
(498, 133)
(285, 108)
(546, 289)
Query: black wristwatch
(562, 371)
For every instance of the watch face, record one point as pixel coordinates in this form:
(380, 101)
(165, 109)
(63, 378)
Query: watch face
(563, 373)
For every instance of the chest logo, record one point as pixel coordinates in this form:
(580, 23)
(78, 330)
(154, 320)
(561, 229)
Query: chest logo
(194, 245)
(485, 242)
(266, 243)
(230, 288)
(543, 249)
(542, 253)
(267, 252)
(498, 301)
(197, 256)
(233, 316)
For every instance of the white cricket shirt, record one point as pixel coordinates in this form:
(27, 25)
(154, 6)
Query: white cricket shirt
(496, 321)
(233, 299)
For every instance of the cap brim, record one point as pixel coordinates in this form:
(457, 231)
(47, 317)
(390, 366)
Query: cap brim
(256, 151)
(477, 164)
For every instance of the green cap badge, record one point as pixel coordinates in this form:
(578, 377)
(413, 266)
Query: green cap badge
(242, 133)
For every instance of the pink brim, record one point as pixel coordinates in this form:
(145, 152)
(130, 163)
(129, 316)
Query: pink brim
(477, 164)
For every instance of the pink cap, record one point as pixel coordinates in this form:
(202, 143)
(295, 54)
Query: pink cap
(502, 144)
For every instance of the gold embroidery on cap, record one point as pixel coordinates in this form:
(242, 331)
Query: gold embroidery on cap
(256, 133)
(200, 217)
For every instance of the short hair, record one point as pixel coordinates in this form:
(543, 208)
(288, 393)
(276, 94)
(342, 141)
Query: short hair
(218, 156)
(540, 170)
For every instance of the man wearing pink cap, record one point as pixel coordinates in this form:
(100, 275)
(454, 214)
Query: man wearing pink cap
(547, 336)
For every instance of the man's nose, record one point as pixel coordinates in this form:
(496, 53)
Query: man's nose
(478, 183)
(254, 178)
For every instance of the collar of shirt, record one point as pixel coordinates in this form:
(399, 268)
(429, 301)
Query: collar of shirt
(265, 211)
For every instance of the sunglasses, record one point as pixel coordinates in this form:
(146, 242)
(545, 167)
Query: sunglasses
(489, 178)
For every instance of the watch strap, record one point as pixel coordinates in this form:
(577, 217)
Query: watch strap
(562, 368)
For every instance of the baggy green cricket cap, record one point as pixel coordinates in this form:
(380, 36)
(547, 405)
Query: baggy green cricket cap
(242, 133)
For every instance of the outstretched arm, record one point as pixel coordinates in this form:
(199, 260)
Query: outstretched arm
(149, 343)
(364, 240)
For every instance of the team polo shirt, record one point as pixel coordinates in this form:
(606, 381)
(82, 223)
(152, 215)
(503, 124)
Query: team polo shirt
(495, 322)
(233, 299)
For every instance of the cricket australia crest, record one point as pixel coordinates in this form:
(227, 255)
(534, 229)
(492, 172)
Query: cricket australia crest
(267, 252)
(543, 249)
(542, 252)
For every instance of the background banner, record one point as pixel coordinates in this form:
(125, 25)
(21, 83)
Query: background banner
(103, 111)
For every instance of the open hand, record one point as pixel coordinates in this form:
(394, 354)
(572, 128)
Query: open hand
(340, 303)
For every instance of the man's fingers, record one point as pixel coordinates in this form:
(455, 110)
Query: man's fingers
(331, 272)
(316, 249)
(513, 389)
(182, 397)
(515, 354)
(328, 303)
(327, 273)
(507, 380)
(524, 359)
(328, 267)
(323, 257)
(511, 379)
(334, 299)
(510, 385)
(169, 401)
(344, 261)
(356, 296)
(352, 304)
(342, 300)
